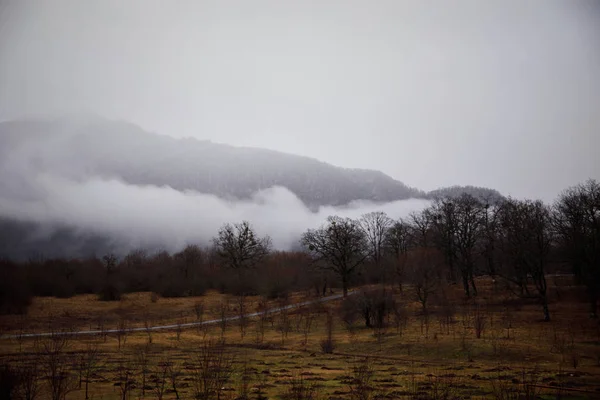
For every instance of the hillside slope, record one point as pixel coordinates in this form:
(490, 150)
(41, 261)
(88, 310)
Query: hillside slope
(96, 147)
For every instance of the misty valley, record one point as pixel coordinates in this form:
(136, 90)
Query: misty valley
(296, 293)
(299, 200)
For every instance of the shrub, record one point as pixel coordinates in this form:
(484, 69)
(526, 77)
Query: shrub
(110, 292)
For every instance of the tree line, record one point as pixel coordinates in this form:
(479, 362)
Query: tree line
(454, 240)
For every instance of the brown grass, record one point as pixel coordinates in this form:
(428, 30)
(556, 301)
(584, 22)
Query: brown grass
(449, 362)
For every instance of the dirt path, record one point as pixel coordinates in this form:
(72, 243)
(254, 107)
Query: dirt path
(177, 326)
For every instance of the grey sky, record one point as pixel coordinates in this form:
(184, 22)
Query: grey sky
(503, 94)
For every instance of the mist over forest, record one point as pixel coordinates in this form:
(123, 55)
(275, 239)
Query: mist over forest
(81, 186)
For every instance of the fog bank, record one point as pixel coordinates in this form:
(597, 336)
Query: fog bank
(170, 218)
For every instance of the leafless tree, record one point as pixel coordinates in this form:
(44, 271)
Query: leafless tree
(284, 324)
(242, 318)
(55, 361)
(361, 387)
(469, 230)
(125, 379)
(300, 389)
(21, 382)
(199, 311)
(263, 310)
(328, 345)
(223, 310)
(421, 225)
(143, 360)
(247, 375)
(375, 226)
(161, 378)
(174, 373)
(148, 327)
(445, 230)
(424, 267)
(340, 246)
(397, 244)
(479, 321)
(122, 331)
(576, 221)
(179, 329)
(88, 364)
(212, 370)
(527, 242)
(110, 262)
(308, 320)
(240, 247)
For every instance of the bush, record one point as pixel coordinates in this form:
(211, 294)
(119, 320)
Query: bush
(154, 297)
(110, 292)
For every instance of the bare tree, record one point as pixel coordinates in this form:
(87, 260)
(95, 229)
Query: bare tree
(25, 379)
(90, 359)
(576, 221)
(212, 369)
(199, 311)
(122, 331)
(242, 317)
(148, 327)
(125, 378)
(375, 226)
(328, 344)
(160, 378)
(469, 229)
(445, 229)
(421, 225)
(143, 359)
(223, 310)
(307, 324)
(361, 387)
(247, 375)
(339, 246)
(527, 242)
(263, 310)
(240, 247)
(397, 243)
(424, 267)
(175, 373)
(56, 361)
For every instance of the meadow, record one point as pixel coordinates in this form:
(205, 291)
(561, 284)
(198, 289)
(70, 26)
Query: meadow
(494, 346)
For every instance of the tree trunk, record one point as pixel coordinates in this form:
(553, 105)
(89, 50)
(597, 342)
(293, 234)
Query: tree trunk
(345, 285)
(546, 311)
(472, 280)
(465, 280)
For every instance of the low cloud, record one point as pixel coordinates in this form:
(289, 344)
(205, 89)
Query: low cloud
(171, 218)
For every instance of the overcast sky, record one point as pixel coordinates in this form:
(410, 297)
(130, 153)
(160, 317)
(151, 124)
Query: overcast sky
(503, 94)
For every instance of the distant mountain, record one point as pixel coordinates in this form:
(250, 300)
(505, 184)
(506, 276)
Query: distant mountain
(115, 149)
(92, 147)
(490, 196)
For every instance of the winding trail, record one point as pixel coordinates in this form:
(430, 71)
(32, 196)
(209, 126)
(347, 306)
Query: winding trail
(177, 326)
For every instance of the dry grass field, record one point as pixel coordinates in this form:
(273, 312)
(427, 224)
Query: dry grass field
(287, 356)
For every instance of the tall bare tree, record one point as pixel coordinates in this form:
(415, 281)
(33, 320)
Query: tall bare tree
(469, 228)
(527, 243)
(421, 226)
(240, 247)
(56, 361)
(397, 243)
(375, 225)
(339, 245)
(445, 225)
(577, 223)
